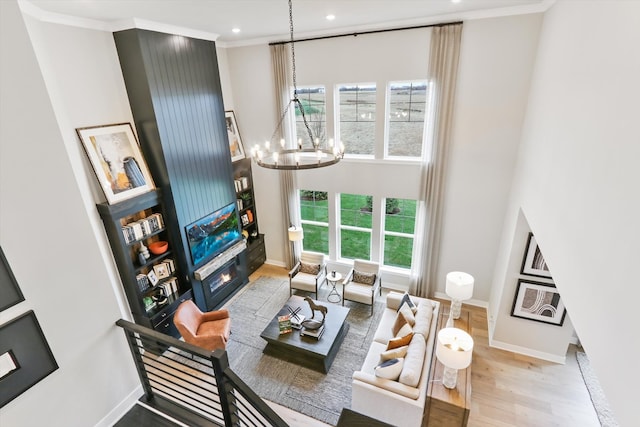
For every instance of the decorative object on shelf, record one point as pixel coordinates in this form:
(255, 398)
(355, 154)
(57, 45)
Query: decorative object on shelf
(25, 356)
(117, 161)
(312, 323)
(459, 288)
(159, 247)
(10, 293)
(454, 350)
(235, 142)
(533, 263)
(295, 155)
(538, 301)
(153, 279)
(143, 254)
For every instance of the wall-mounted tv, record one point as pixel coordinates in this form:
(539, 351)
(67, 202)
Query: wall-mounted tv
(213, 234)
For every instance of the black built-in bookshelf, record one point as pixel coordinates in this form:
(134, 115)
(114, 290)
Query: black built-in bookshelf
(154, 286)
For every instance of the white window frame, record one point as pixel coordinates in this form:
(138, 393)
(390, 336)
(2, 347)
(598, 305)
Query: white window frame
(387, 122)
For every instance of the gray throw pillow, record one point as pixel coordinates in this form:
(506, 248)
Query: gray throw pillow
(364, 278)
(305, 267)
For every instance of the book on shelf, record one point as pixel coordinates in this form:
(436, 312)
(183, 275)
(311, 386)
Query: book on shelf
(313, 333)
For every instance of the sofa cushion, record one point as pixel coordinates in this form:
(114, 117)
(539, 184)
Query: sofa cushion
(389, 369)
(413, 361)
(309, 268)
(400, 324)
(400, 341)
(423, 318)
(364, 278)
(394, 353)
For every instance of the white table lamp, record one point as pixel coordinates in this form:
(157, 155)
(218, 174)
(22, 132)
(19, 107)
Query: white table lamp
(453, 350)
(459, 288)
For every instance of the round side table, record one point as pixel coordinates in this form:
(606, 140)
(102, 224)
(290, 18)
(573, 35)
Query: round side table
(333, 280)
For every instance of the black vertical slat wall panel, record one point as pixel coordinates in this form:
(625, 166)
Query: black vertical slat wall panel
(176, 99)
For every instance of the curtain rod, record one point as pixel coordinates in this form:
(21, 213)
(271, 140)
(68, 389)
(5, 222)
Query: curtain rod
(367, 32)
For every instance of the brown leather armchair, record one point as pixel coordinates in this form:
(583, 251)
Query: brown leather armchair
(209, 330)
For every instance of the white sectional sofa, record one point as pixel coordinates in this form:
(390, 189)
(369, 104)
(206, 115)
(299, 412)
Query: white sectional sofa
(398, 403)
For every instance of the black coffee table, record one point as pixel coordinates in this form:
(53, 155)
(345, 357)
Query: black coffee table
(316, 354)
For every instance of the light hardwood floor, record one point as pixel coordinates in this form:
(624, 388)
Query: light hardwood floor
(507, 389)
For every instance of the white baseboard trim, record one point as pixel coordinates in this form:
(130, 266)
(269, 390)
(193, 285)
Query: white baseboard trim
(122, 408)
(473, 302)
(527, 351)
(276, 263)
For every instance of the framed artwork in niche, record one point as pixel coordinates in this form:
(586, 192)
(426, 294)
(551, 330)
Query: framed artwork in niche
(538, 301)
(10, 293)
(116, 160)
(235, 142)
(25, 356)
(533, 263)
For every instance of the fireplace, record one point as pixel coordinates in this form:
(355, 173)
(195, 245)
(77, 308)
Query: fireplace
(221, 283)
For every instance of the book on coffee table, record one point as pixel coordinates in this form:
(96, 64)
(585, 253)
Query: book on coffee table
(313, 333)
(284, 324)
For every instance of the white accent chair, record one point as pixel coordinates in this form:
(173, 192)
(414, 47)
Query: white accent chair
(364, 293)
(305, 281)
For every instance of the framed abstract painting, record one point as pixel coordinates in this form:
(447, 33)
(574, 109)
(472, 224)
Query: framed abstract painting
(538, 301)
(533, 263)
(116, 160)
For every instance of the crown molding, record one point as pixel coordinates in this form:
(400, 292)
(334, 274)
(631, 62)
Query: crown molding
(111, 27)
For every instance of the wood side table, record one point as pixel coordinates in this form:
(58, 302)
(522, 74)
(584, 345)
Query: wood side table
(448, 407)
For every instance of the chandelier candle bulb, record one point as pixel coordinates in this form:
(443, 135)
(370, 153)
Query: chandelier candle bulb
(282, 142)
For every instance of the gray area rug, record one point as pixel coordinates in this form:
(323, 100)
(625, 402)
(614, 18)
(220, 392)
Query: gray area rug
(598, 398)
(321, 396)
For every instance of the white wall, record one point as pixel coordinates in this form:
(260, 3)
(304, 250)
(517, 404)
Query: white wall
(48, 225)
(577, 182)
(495, 69)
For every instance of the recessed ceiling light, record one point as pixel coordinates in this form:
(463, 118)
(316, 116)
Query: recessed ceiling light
(456, 1)
(331, 17)
(236, 30)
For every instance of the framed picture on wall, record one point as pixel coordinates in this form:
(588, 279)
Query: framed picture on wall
(116, 160)
(533, 263)
(538, 301)
(235, 142)
(25, 356)
(10, 293)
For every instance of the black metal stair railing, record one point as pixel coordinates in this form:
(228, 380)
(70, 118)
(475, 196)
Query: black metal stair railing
(193, 385)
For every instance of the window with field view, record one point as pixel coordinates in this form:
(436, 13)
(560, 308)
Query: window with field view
(357, 118)
(355, 226)
(314, 212)
(406, 118)
(314, 107)
(399, 231)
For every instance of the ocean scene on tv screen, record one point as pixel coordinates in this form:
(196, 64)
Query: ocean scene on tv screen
(213, 233)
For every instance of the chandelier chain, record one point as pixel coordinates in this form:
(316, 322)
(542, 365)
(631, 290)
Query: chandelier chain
(295, 99)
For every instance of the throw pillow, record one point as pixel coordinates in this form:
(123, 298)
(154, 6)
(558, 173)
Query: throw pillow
(308, 268)
(394, 353)
(364, 278)
(407, 300)
(389, 369)
(408, 314)
(401, 327)
(399, 342)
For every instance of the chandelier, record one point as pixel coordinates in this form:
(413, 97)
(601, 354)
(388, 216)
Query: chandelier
(303, 156)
